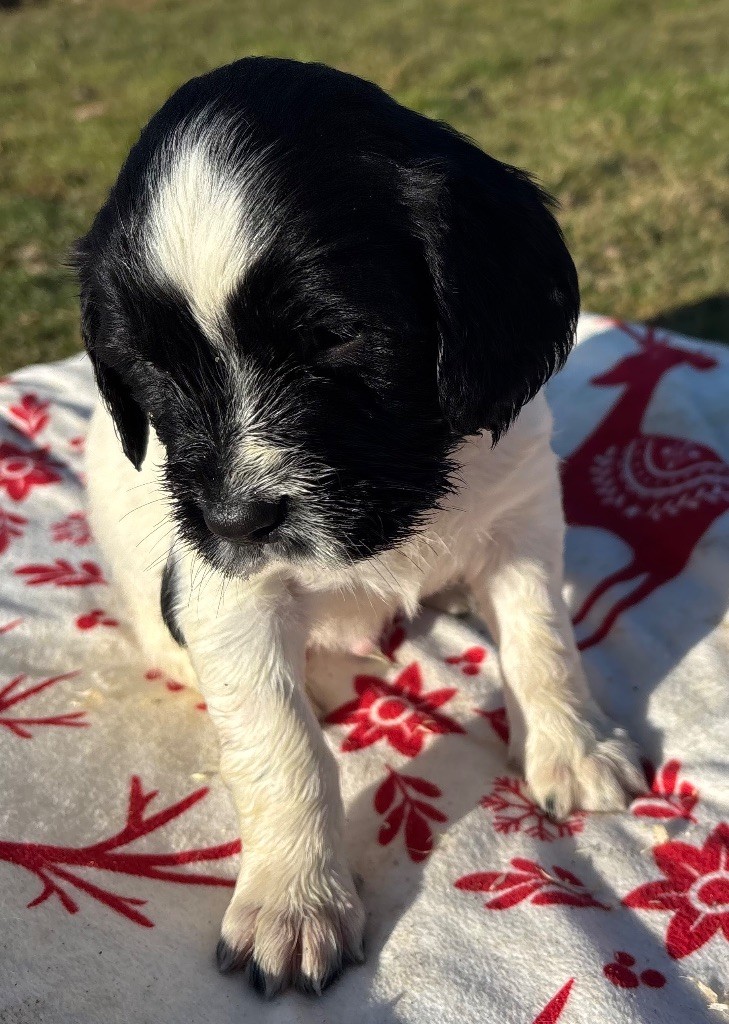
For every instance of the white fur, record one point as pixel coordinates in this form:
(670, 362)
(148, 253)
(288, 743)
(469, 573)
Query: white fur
(200, 236)
(502, 535)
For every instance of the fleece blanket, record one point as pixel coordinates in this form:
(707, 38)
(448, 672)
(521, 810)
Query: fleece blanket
(117, 840)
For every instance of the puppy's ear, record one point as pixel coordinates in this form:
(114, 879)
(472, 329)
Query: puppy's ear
(129, 418)
(505, 287)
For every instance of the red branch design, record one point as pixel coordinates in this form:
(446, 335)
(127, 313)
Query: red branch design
(10, 696)
(62, 573)
(50, 864)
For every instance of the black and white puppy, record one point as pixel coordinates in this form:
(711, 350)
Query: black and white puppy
(312, 313)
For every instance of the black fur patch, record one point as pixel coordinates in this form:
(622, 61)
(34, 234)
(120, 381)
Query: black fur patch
(167, 603)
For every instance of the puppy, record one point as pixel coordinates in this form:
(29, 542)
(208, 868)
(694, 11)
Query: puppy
(319, 324)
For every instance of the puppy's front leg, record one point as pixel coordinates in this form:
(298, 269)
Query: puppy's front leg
(295, 917)
(573, 756)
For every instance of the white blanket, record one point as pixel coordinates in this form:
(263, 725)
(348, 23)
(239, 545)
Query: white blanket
(117, 839)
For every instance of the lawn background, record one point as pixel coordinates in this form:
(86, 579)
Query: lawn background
(620, 108)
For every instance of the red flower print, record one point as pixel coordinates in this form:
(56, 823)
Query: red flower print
(515, 811)
(695, 890)
(30, 415)
(10, 526)
(96, 617)
(469, 661)
(62, 574)
(498, 721)
(553, 1010)
(619, 973)
(21, 470)
(529, 881)
(10, 697)
(52, 864)
(411, 809)
(669, 797)
(392, 637)
(74, 528)
(398, 712)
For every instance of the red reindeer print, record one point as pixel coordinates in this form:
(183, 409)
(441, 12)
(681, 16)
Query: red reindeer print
(52, 864)
(405, 792)
(11, 696)
(658, 494)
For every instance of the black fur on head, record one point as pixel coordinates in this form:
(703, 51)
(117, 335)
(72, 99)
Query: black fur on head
(396, 289)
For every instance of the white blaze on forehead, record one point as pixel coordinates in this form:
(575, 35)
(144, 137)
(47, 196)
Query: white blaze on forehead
(200, 237)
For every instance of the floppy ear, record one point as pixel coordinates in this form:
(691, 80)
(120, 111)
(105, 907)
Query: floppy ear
(129, 418)
(504, 284)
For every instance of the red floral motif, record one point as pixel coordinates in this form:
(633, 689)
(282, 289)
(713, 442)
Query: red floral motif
(695, 890)
(51, 863)
(515, 811)
(10, 696)
(21, 470)
(529, 881)
(10, 526)
(409, 809)
(670, 798)
(470, 661)
(398, 712)
(553, 1010)
(62, 574)
(30, 415)
(96, 617)
(74, 528)
(619, 973)
(392, 637)
(498, 721)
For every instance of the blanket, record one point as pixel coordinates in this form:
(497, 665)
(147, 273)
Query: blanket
(118, 845)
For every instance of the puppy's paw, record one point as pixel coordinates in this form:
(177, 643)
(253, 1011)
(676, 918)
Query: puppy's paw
(586, 764)
(302, 935)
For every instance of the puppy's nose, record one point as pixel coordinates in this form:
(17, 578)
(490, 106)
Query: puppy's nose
(248, 522)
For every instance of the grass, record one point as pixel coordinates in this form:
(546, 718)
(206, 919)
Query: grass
(618, 106)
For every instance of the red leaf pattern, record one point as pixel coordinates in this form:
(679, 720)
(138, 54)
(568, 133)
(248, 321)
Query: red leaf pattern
(528, 881)
(10, 526)
(62, 573)
(415, 813)
(74, 529)
(30, 415)
(671, 797)
(21, 470)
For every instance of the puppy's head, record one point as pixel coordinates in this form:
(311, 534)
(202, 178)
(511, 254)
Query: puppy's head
(312, 295)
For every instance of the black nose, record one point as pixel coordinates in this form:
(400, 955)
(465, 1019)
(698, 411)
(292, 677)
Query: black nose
(247, 522)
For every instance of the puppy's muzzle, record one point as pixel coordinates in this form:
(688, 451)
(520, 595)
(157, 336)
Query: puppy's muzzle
(254, 520)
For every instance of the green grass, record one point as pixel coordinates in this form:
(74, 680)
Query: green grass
(618, 106)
